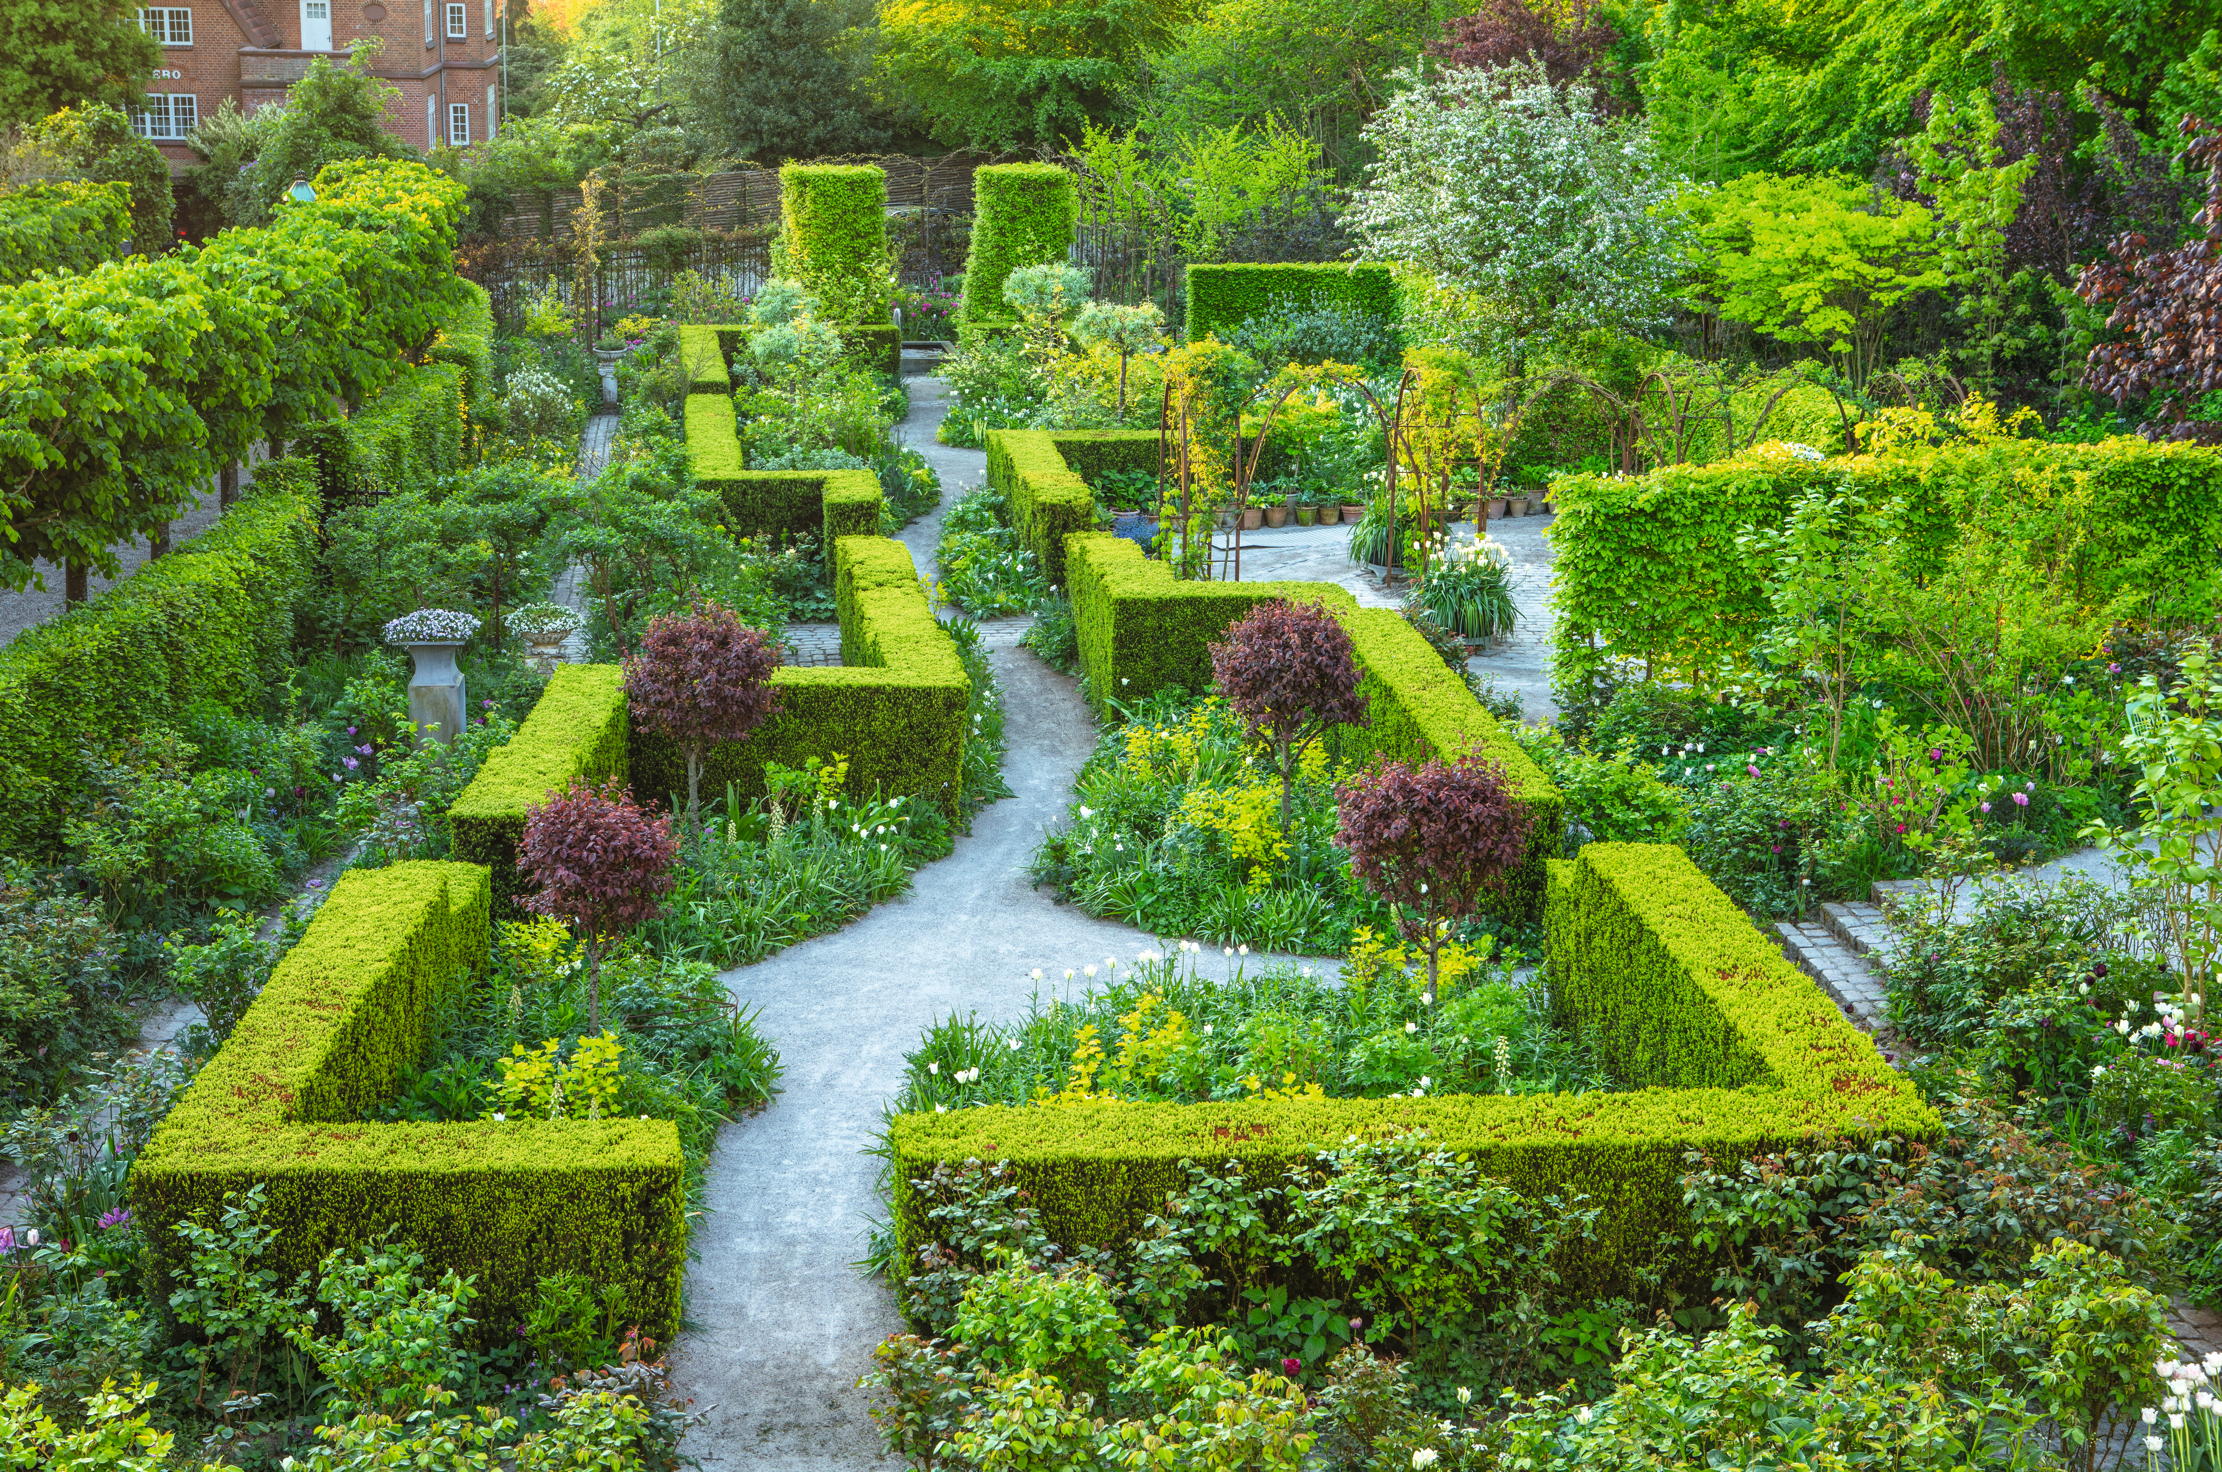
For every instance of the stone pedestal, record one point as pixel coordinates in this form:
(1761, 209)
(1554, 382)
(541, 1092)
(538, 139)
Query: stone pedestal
(437, 707)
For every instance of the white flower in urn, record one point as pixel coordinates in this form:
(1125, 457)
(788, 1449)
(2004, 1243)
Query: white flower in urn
(432, 626)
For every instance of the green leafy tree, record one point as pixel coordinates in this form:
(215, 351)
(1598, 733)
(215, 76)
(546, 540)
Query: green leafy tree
(95, 142)
(65, 53)
(1003, 73)
(785, 81)
(1958, 162)
(1820, 259)
(1533, 218)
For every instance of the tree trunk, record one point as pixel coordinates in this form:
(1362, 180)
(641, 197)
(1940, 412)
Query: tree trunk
(227, 484)
(158, 544)
(76, 584)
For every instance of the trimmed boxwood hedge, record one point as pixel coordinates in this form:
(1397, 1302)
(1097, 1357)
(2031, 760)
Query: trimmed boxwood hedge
(1726, 1046)
(466, 339)
(1142, 630)
(345, 1012)
(896, 710)
(1222, 298)
(833, 503)
(833, 224)
(1023, 215)
(576, 732)
(214, 620)
(1044, 474)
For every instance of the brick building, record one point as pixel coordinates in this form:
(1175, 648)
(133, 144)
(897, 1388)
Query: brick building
(446, 61)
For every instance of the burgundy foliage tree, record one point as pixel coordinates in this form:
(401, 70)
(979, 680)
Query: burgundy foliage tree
(1432, 841)
(700, 678)
(1567, 39)
(602, 866)
(2168, 305)
(1290, 672)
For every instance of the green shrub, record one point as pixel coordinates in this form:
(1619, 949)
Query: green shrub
(409, 434)
(833, 219)
(347, 1011)
(213, 620)
(1222, 298)
(1730, 1050)
(466, 339)
(62, 227)
(1024, 215)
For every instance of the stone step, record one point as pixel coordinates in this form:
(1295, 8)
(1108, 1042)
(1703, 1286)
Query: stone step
(1861, 927)
(1842, 972)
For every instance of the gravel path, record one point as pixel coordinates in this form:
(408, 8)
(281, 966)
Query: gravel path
(782, 1323)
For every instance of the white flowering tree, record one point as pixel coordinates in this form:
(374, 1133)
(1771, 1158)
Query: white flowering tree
(1525, 217)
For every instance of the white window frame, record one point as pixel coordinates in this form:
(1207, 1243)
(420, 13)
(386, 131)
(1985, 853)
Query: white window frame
(162, 22)
(431, 24)
(458, 21)
(163, 126)
(431, 122)
(493, 112)
(459, 125)
(490, 19)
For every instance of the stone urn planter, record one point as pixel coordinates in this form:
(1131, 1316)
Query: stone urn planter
(438, 704)
(545, 628)
(1276, 516)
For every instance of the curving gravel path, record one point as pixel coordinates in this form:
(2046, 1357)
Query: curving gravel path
(782, 1324)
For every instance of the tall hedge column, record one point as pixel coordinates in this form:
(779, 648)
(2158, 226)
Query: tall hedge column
(833, 220)
(1023, 215)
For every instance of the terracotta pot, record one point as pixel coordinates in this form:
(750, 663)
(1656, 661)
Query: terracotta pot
(1351, 513)
(1276, 516)
(1253, 517)
(1519, 505)
(1307, 516)
(1326, 515)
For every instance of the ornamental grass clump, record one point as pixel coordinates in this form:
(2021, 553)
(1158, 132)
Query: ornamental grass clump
(602, 864)
(700, 678)
(1290, 671)
(1432, 842)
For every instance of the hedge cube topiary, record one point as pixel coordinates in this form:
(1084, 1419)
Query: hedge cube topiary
(1023, 215)
(833, 222)
(1223, 297)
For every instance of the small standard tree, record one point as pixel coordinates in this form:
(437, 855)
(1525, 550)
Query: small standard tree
(1124, 330)
(1432, 841)
(699, 678)
(602, 864)
(1289, 671)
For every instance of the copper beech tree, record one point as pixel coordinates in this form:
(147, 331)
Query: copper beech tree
(1432, 841)
(1290, 671)
(700, 678)
(602, 864)
(2168, 305)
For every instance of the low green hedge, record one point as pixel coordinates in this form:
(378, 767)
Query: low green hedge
(577, 731)
(896, 710)
(1023, 215)
(1222, 298)
(62, 226)
(833, 503)
(833, 234)
(1726, 1046)
(1142, 630)
(214, 620)
(346, 1011)
(1044, 475)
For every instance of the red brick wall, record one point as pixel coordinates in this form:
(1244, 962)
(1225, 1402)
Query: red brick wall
(446, 71)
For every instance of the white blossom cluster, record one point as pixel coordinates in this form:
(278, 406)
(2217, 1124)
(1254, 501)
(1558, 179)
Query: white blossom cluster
(432, 626)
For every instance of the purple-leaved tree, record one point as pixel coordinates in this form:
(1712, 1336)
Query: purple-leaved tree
(602, 866)
(1290, 672)
(1432, 841)
(700, 678)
